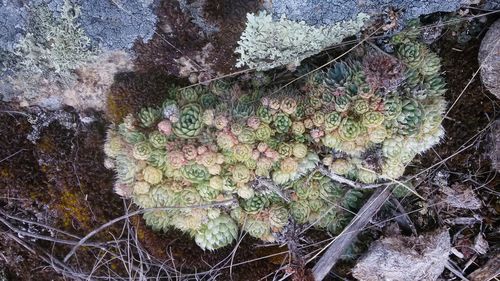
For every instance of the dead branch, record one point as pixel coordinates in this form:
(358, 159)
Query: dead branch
(324, 171)
(489, 271)
(338, 246)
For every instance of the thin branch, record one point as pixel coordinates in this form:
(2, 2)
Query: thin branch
(338, 245)
(271, 186)
(142, 211)
(322, 169)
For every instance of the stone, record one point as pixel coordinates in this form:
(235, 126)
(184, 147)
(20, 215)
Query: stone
(405, 258)
(321, 12)
(489, 58)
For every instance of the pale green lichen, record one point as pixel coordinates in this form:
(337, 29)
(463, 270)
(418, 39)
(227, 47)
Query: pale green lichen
(266, 43)
(54, 44)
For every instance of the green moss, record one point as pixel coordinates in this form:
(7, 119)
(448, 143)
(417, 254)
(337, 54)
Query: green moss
(71, 208)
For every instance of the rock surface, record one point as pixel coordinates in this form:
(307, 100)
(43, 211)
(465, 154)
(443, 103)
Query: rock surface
(65, 52)
(489, 57)
(112, 25)
(405, 258)
(320, 12)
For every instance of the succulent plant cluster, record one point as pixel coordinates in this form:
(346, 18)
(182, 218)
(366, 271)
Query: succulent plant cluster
(364, 118)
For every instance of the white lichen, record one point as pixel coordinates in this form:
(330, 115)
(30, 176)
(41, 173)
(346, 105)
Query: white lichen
(266, 44)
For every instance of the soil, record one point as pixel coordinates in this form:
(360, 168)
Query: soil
(60, 180)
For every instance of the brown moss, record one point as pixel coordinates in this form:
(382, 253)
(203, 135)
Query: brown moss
(230, 17)
(177, 36)
(134, 90)
(46, 144)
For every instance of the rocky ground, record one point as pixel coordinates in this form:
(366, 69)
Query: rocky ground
(54, 188)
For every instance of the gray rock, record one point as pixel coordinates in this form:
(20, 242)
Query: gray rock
(13, 20)
(111, 24)
(491, 5)
(405, 258)
(115, 25)
(326, 12)
(489, 57)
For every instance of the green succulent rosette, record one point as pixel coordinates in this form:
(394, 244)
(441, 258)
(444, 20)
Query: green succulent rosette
(392, 148)
(125, 169)
(278, 216)
(142, 151)
(195, 173)
(342, 103)
(217, 233)
(208, 101)
(285, 149)
(247, 136)
(314, 103)
(352, 199)
(316, 205)
(331, 140)
(161, 196)
(282, 123)
(148, 116)
(264, 114)
(113, 145)
(228, 184)
(410, 118)
(392, 107)
(254, 204)
(337, 75)
(372, 119)
(431, 65)
(257, 228)
(152, 175)
(157, 139)
(332, 121)
(289, 105)
(318, 119)
(158, 220)
(190, 122)
(188, 197)
(361, 106)
(220, 87)
(242, 152)
(158, 158)
(236, 128)
(366, 176)
(434, 86)
(349, 129)
(338, 222)
(241, 174)
(300, 211)
(130, 136)
(206, 192)
(190, 95)
(330, 190)
(263, 132)
(377, 135)
(244, 108)
(411, 53)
